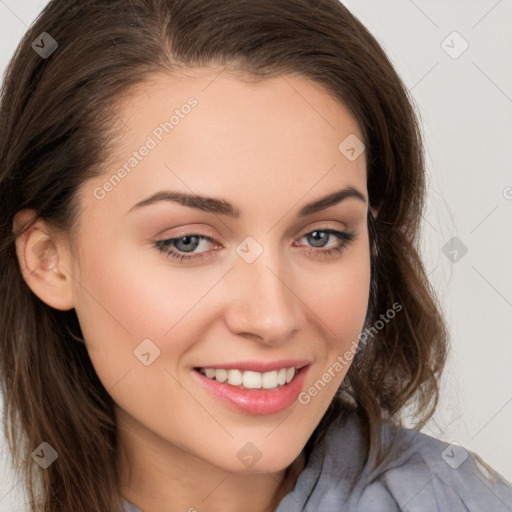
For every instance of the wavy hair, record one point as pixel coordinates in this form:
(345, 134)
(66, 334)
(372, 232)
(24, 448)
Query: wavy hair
(57, 126)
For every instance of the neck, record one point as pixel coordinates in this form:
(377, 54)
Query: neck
(156, 476)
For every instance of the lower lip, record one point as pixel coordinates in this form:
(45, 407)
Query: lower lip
(256, 401)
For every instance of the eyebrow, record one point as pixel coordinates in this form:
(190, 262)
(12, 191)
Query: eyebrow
(223, 207)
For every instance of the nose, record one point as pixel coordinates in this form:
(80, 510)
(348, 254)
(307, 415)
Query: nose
(264, 300)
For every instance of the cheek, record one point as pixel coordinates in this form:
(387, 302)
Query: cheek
(340, 296)
(341, 309)
(348, 306)
(120, 302)
(117, 293)
(118, 306)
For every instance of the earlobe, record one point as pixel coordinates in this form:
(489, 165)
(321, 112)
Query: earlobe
(43, 263)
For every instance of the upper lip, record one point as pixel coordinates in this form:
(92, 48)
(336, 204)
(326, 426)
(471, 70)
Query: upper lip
(259, 366)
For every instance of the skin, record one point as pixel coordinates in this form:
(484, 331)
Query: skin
(269, 148)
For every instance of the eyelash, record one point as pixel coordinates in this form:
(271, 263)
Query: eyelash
(346, 238)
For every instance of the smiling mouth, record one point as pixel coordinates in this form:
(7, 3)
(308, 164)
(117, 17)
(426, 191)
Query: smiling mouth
(275, 379)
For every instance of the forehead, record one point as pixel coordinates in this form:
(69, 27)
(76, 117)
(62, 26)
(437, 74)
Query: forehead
(209, 131)
(230, 96)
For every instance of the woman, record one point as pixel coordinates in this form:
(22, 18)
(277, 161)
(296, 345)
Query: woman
(212, 297)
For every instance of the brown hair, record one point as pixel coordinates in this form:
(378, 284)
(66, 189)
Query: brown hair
(57, 123)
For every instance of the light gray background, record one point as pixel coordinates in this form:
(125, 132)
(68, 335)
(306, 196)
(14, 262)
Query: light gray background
(466, 108)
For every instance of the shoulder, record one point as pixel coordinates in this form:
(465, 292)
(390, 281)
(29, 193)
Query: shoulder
(428, 474)
(420, 474)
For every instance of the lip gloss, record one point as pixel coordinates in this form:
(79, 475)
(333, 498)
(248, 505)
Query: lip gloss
(255, 401)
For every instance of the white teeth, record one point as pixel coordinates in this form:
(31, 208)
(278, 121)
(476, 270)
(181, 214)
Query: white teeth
(210, 372)
(235, 377)
(221, 375)
(269, 380)
(251, 380)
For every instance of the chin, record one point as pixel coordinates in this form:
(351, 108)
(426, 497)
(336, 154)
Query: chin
(249, 459)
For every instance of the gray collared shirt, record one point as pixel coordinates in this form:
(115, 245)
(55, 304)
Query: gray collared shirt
(421, 474)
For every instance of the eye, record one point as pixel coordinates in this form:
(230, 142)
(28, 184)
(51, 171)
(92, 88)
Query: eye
(183, 247)
(320, 237)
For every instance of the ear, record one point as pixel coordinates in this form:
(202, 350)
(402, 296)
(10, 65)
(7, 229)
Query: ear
(44, 261)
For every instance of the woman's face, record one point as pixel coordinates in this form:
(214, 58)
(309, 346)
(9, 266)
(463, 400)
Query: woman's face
(263, 290)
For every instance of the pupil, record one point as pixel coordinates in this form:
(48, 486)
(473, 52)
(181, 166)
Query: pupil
(318, 236)
(188, 244)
